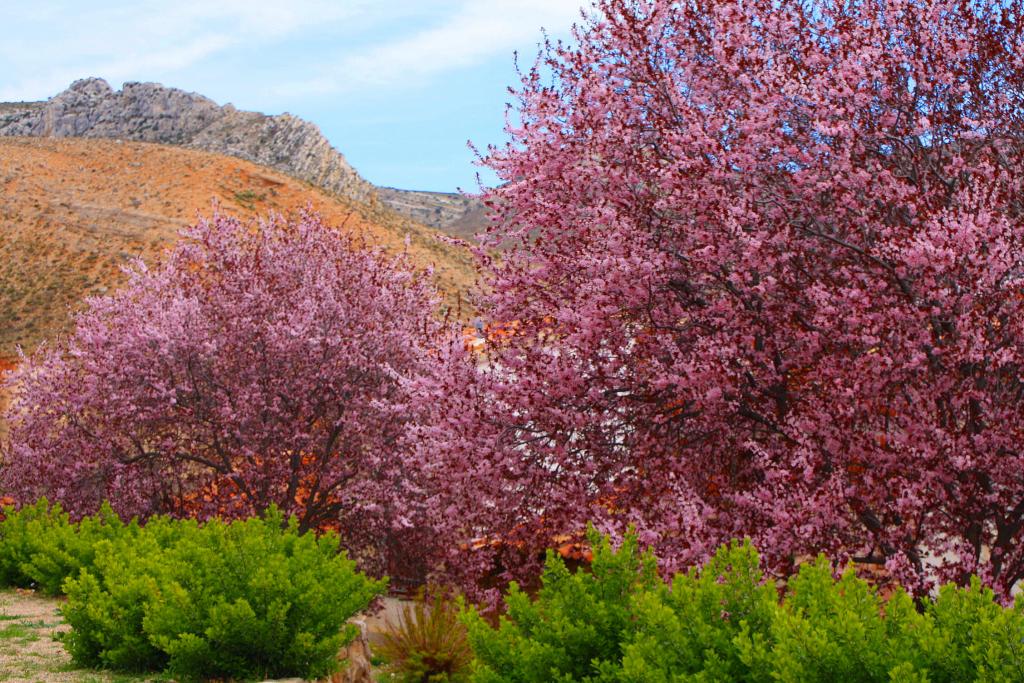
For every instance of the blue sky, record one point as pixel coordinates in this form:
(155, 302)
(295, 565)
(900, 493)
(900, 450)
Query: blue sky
(398, 86)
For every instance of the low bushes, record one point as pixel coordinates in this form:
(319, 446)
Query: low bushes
(257, 599)
(241, 600)
(725, 623)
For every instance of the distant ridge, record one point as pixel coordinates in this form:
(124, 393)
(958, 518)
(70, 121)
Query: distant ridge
(150, 112)
(456, 214)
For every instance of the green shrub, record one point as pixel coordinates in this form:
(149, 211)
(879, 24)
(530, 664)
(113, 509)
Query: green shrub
(577, 626)
(827, 630)
(242, 600)
(695, 627)
(17, 543)
(62, 549)
(428, 644)
(40, 547)
(257, 599)
(725, 622)
(107, 604)
(967, 636)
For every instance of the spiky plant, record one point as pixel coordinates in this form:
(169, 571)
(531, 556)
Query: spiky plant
(428, 644)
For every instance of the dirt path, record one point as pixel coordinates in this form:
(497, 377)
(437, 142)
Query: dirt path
(28, 651)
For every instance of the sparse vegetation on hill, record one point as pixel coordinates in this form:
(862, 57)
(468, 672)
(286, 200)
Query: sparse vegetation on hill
(74, 211)
(150, 112)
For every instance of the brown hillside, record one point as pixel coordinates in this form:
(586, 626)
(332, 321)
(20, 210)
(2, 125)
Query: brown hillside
(455, 214)
(72, 211)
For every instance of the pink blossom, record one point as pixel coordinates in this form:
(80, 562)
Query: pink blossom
(752, 299)
(261, 363)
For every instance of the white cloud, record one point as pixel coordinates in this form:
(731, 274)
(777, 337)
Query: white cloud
(478, 30)
(47, 44)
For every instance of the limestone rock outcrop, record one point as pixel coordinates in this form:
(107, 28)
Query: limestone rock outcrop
(150, 112)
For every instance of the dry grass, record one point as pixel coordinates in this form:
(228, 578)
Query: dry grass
(73, 211)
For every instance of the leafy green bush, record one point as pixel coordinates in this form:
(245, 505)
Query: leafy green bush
(576, 627)
(724, 622)
(106, 614)
(63, 549)
(428, 644)
(17, 544)
(40, 547)
(242, 600)
(695, 627)
(256, 598)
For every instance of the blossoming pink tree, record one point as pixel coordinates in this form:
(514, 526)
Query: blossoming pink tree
(768, 281)
(260, 363)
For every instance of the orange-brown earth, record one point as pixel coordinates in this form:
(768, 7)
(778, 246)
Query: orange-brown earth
(73, 211)
(5, 367)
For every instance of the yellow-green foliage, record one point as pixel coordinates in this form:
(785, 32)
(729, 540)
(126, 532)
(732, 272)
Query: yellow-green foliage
(724, 623)
(18, 543)
(577, 627)
(249, 599)
(40, 547)
(240, 600)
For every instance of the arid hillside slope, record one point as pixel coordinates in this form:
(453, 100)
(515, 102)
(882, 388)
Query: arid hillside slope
(455, 214)
(151, 112)
(73, 211)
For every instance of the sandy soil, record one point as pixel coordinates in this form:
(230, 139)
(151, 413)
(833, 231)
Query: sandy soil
(29, 652)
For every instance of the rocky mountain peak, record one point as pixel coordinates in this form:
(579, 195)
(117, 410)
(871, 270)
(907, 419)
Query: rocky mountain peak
(90, 87)
(150, 112)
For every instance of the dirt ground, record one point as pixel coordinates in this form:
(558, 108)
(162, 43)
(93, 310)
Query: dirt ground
(29, 652)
